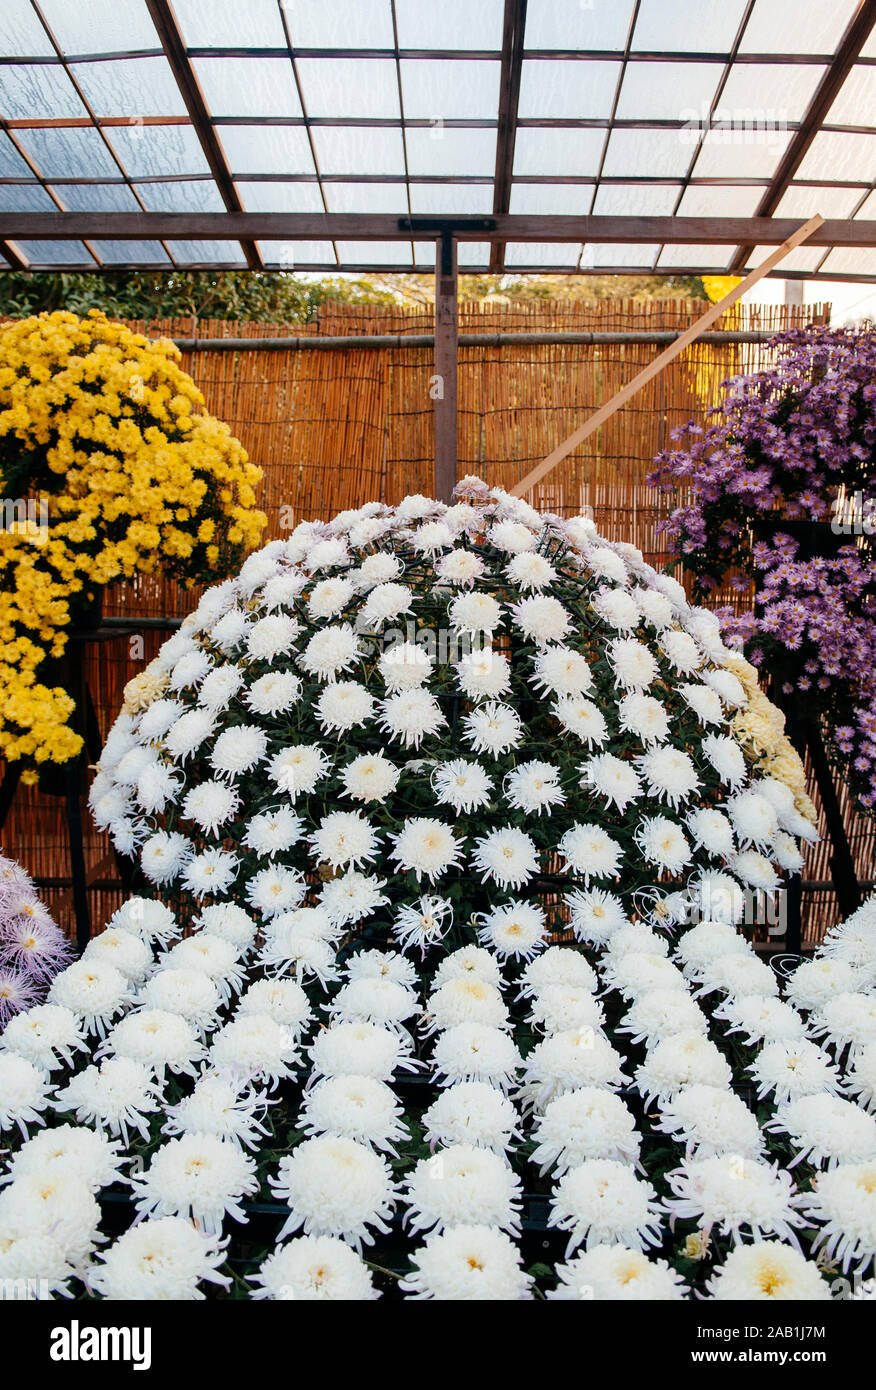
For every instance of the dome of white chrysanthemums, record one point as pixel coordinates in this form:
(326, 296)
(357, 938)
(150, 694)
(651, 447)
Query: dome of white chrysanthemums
(438, 982)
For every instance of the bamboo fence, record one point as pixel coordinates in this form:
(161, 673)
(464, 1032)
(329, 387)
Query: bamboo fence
(334, 429)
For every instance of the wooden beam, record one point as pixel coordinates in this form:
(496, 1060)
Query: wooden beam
(444, 380)
(853, 40)
(509, 95)
(620, 398)
(15, 257)
(321, 226)
(165, 21)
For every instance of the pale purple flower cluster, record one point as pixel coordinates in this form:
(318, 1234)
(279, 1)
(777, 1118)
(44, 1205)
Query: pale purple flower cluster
(792, 449)
(32, 947)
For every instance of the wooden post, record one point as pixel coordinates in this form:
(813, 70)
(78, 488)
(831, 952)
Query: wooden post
(663, 359)
(443, 384)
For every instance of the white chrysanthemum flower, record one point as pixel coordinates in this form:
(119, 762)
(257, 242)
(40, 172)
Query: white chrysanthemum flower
(33, 1264)
(156, 786)
(655, 608)
(24, 1093)
(669, 773)
(197, 1177)
(330, 553)
(534, 787)
(230, 630)
(662, 1013)
(848, 1020)
(254, 1047)
(492, 728)
(47, 1035)
(788, 1070)
(189, 993)
(508, 857)
(853, 940)
(512, 536)
(467, 1263)
(726, 758)
(475, 612)
(312, 1269)
(222, 1105)
(562, 1008)
(634, 666)
(738, 975)
(710, 1121)
(426, 847)
(359, 1049)
(272, 832)
(760, 1019)
(595, 915)
(636, 972)
(382, 965)
(410, 716)
(708, 942)
(681, 651)
(210, 804)
(743, 1197)
(157, 718)
(374, 999)
(466, 1000)
(275, 890)
(603, 561)
(843, 1203)
(711, 829)
(584, 1124)
(370, 777)
(467, 963)
(541, 619)
(273, 694)
(212, 872)
(475, 1052)
(330, 651)
(238, 750)
(635, 937)
(783, 848)
(462, 784)
(602, 1202)
(423, 923)
(159, 1260)
(704, 702)
(616, 1273)
(686, 1059)
(282, 1000)
(329, 597)
(54, 1204)
(816, 981)
(753, 817)
(471, 1112)
(432, 537)
(767, 1272)
(617, 608)
(219, 688)
(190, 669)
(825, 1130)
(354, 1107)
(405, 666)
(483, 674)
(344, 705)
(335, 1187)
(214, 956)
(590, 852)
(95, 991)
(127, 952)
(351, 896)
(560, 671)
(644, 716)
(384, 603)
(515, 929)
(569, 1060)
(460, 567)
(160, 1040)
(344, 838)
(129, 769)
(292, 949)
(147, 918)
(461, 1185)
(717, 897)
(117, 1094)
(297, 769)
(611, 778)
(163, 855)
(529, 571)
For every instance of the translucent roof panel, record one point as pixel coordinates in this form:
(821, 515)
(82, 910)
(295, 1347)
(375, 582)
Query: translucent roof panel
(442, 199)
(221, 23)
(796, 26)
(837, 156)
(801, 258)
(687, 26)
(183, 195)
(378, 252)
(576, 89)
(557, 152)
(740, 153)
(48, 253)
(76, 153)
(366, 197)
(288, 254)
(636, 199)
(560, 253)
(460, 90)
(131, 252)
(280, 197)
(271, 149)
(856, 101)
(37, 90)
(21, 34)
(100, 26)
(624, 253)
(340, 24)
(650, 91)
(694, 257)
(774, 92)
(25, 197)
(647, 154)
(358, 149)
(449, 152)
(720, 200)
(452, 24)
(469, 254)
(802, 200)
(248, 86)
(130, 87)
(97, 197)
(569, 198)
(851, 260)
(162, 150)
(571, 24)
(12, 165)
(206, 252)
(358, 88)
